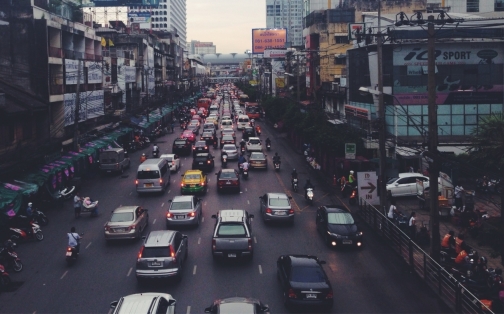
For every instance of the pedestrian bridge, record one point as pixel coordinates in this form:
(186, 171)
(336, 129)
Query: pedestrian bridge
(222, 80)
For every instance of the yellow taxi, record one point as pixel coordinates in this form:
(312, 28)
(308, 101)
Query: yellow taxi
(212, 120)
(193, 181)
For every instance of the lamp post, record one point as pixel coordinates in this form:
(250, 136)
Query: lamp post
(297, 85)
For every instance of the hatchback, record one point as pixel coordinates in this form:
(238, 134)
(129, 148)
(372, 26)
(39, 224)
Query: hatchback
(193, 181)
(254, 145)
(276, 207)
(183, 211)
(231, 151)
(126, 222)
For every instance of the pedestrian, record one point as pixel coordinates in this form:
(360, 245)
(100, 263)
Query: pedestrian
(392, 210)
(77, 204)
(459, 190)
(412, 225)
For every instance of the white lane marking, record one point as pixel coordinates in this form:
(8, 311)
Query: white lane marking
(194, 270)
(88, 244)
(129, 271)
(202, 219)
(251, 219)
(241, 192)
(163, 202)
(173, 181)
(260, 269)
(204, 204)
(168, 192)
(207, 190)
(182, 165)
(64, 274)
(154, 221)
(255, 240)
(131, 193)
(188, 309)
(248, 202)
(246, 190)
(199, 240)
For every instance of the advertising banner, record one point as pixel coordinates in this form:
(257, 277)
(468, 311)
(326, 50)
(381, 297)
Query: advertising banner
(268, 38)
(71, 71)
(274, 53)
(277, 67)
(139, 17)
(150, 76)
(125, 3)
(91, 106)
(95, 75)
(129, 74)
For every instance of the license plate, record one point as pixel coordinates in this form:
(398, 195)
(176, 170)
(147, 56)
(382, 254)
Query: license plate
(311, 296)
(347, 241)
(148, 185)
(179, 216)
(228, 182)
(193, 185)
(119, 230)
(68, 253)
(201, 163)
(155, 263)
(109, 171)
(281, 213)
(231, 255)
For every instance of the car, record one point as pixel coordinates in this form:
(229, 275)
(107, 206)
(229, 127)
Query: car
(258, 160)
(209, 126)
(276, 207)
(237, 305)
(195, 122)
(173, 161)
(196, 117)
(227, 122)
(162, 255)
(193, 181)
(227, 139)
(184, 210)
(150, 302)
(193, 128)
(405, 184)
(304, 282)
(228, 179)
(200, 147)
(231, 151)
(126, 222)
(232, 235)
(254, 145)
(189, 135)
(208, 137)
(338, 227)
(212, 119)
(182, 146)
(227, 131)
(203, 162)
(248, 132)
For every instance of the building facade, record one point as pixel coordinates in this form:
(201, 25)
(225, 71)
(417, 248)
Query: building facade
(286, 14)
(198, 47)
(469, 6)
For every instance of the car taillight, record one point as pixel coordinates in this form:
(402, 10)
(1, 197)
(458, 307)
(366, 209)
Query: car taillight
(214, 242)
(136, 182)
(173, 162)
(250, 244)
(160, 181)
(330, 294)
(203, 183)
(107, 228)
(132, 227)
(206, 147)
(194, 148)
(292, 294)
(182, 184)
(69, 249)
(172, 252)
(236, 182)
(268, 211)
(192, 214)
(291, 211)
(169, 215)
(140, 254)
(208, 162)
(221, 182)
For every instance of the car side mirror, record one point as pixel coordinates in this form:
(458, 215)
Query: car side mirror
(114, 304)
(214, 216)
(144, 237)
(250, 216)
(172, 302)
(264, 309)
(184, 236)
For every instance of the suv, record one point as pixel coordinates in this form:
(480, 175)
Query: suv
(162, 255)
(151, 302)
(182, 146)
(232, 236)
(184, 210)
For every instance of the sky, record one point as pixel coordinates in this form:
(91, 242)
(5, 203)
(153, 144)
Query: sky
(226, 23)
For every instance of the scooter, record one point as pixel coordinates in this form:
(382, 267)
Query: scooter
(242, 149)
(40, 218)
(268, 146)
(17, 234)
(67, 192)
(245, 173)
(5, 279)
(295, 184)
(352, 200)
(9, 258)
(155, 154)
(88, 206)
(309, 195)
(277, 165)
(72, 254)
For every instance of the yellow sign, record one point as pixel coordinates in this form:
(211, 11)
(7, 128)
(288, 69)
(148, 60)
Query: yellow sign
(268, 38)
(280, 82)
(253, 82)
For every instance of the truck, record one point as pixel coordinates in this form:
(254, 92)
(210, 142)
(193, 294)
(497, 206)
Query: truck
(114, 160)
(232, 236)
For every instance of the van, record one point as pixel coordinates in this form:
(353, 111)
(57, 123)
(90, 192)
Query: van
(153, 175)
(243, 121)
(114, 160)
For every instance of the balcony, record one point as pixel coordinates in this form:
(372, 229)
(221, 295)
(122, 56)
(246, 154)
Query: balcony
(68, 54)
(55, 52)
(56, 89)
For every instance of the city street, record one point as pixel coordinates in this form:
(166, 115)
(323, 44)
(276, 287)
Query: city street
(367, 280)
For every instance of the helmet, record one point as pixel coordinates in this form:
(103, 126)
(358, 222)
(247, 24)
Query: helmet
(294, 170)
(143, 154)
(483, 260)
(351, 172)
(30, 204)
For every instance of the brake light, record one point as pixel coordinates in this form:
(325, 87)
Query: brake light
(132, 227)
(136, 182)
(192, 214)
(69, 249)
(208, 162)
(291, 211)
(330, 294)
(268, 211)
(140, 254)
(172, 252)
(182, 184)
(203, 183)
(194, 148)
(160, 181)
(169, 215)
(214, 243)
(206, 147)
(250, 244)
(292, 294)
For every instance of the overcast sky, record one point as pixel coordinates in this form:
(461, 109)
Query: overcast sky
(226, 23)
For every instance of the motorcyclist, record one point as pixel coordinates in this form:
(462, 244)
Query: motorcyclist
(307, 185)
(224, 156)
(241, 160)
(155, 150)
(172, 127)
(252, 122)
(243, 143)
(351, 178)
(245, 165)
(448, 242)
(276, 159)
(143, 158)
(268, 141)
(74, 240)
(294, 174)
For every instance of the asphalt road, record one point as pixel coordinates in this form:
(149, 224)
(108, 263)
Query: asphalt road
(367, 280)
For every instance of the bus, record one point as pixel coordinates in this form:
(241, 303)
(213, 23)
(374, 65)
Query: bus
(243, 99)
(252, 110)
(204, 102)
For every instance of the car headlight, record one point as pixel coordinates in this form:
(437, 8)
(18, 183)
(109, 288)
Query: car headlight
(359, 234)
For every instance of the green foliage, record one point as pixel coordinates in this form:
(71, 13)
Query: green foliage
(248, 89)
(488, 141)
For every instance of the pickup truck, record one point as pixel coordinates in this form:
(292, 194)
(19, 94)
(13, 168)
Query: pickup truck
(232, 236)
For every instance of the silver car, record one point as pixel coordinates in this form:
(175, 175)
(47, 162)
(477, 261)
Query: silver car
(231, 151)
(276, 207)
(126, 222)
(184, 210)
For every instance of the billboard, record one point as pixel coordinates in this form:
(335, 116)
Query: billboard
(91, 106)
(274, 53)
(125, 3)
(94, 72)
(139, 17)
(71, 71)
(268, 38)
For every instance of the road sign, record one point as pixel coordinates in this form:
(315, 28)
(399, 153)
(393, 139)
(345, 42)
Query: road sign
(350, 150)
(367, 185)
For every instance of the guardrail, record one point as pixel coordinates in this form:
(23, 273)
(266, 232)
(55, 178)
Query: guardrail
(447, 287)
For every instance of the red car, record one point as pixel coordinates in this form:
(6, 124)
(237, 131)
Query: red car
(189, 135)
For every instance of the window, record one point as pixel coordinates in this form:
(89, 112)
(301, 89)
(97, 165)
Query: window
(149, 174)
(472, 6)
(279, 202)
(236, 230)
(340, 219)
(341, 39)
(307, 274)
(149, 252)
(121, 217)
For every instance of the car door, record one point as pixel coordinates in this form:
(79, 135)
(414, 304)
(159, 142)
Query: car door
(197, 206)
(400, 187)
(140, 218)
(283, 272)
(262, 200)
(179, 246)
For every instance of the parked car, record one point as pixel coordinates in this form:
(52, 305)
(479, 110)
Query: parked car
(258, 160)
(276, 207)
(184, 210)
(338, 227)
(173, 161)
(126, 222)
(405, 184)
(236, 305)
(228, 179)
(203, 162)
(182, 146)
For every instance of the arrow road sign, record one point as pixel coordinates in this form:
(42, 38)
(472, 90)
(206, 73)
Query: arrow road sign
(367, 183)
(370, 187)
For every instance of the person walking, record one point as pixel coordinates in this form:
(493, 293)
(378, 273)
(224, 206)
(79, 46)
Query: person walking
(392, 210)
(412, 225)
(77, 204)
(459, 190)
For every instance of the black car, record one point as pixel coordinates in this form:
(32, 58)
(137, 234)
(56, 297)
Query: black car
(203, 162)
(228, 179)
(304, 282)
(237, 305)
(208, 137)
(182, 146)
(248, 132)
(200, 147)
(338, 227)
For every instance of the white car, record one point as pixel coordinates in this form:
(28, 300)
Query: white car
(254, 145)
(173, 161)
(226, 123)
(405, 184)
(231, 151)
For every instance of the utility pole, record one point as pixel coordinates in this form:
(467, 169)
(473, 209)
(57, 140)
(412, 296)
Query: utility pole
(433, 142)
(382, 180)
(297, 78)
(77, 107)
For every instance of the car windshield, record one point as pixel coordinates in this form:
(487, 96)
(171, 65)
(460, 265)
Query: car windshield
(228, 175)
(279, 202)
(181, 205)
(235, 230)
(340, 219)
(149, 252)
(232, 308)
(121, 217)
(148, 174)
(254, 142)
(257, 156)
(229, 147)
(307, 274)
(200, 144)
(243, 120)
(227, 138)
(201, 158)
(192, 177)
(392, 180)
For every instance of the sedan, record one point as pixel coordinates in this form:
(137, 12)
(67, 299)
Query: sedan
(276, 207)
(184, 210)
(200, 147)
(337, 226)
(189, 135)
(203, 162)
(248, 132)
(258, 160)
(405, 184)
(228, 179)
(227, 131)
(231, 151)
(227, 139)
(193, 128)
(193, 181)
(304, 282)
(126, 222)
(208, 137)
(237, 305)
(173, 161)
(254, 145)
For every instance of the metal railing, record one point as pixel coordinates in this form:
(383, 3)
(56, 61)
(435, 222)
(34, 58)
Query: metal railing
(444, 284)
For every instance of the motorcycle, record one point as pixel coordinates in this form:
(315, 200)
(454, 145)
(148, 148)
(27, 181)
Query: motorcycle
(71, 254)
(215, 144)
(242, 149)
(309, 195)
(258, 130)
(40, 218)
(143, 158)
(155, 154)
(18, 234)
(295, 184)
(245, 173)
(352, 200)
(9, 258)
(268, 146)
(276, 164)
(89, 206)
(5, 279)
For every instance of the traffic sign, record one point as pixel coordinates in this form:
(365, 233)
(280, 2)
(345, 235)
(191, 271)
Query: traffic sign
(350, 150)
(367, 183)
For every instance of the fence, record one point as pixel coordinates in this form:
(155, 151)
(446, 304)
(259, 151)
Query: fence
(449, 290)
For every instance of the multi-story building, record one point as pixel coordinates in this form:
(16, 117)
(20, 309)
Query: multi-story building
(469, 6)
(204, 48)
(286, 14)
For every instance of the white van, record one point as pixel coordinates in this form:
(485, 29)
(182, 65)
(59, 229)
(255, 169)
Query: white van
(153, 175)
(243, 121)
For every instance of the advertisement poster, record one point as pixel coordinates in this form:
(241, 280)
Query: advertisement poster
(150, 71)
(91, 106)
(268, 38)
(95, 74)
(71, 71)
